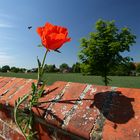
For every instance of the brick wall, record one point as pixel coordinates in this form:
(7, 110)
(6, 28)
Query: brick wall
(74, 111)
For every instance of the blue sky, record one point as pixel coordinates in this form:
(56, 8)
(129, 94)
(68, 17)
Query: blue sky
(18, 44)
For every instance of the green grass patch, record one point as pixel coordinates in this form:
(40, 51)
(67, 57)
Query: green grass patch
(118, 81)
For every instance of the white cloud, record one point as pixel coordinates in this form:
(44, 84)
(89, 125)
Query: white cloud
(6, 25)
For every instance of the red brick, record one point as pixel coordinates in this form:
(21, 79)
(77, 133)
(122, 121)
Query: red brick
(1, 126)
(60, 109)
(14, 88)
(86, 113)
(25, 89)
(43, 133)
(5, 114)
(125, 110)
(130, 93)
(51, 92)
(9, 85)
(63, 136)
(2, 79)
(121, 122)
(5, 81)
(10, 133)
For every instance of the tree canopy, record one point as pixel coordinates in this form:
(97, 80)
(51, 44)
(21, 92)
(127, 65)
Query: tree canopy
(76, 68)
(63, 66)
(50, 68)
(138, 68)
(5, 68)
(103, 48)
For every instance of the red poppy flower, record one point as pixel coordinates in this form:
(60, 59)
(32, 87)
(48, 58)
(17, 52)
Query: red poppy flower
(52, 36)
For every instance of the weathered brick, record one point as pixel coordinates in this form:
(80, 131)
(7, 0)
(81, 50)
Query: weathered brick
(65, 104)
(4, 89)
(43, 133)
(24, 89)
(1, 126)
(10, 133)
(80, 111)
(50, 95)
(123, 122)
(5, 81)
(13, 89)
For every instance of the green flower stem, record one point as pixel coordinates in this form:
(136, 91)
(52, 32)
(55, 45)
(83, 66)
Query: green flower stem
(18, 103)
(44, 58)
(41, 69)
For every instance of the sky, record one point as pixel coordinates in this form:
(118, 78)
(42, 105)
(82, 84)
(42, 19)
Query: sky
(18, 44)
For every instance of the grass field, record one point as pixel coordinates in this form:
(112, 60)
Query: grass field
(118, 81)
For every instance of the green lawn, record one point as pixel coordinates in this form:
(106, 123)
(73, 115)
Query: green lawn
(118, 81)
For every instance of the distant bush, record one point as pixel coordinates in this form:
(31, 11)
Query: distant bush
(5, 68)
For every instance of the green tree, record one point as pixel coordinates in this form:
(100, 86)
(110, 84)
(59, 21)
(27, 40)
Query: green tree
(121, 70)
(5, 68)
(102, 49)
(50, 68)
(138, 68)
(14, 69)
(76, 68)
(124, 69)
(63, 67)
(22, 70)
(131, 67)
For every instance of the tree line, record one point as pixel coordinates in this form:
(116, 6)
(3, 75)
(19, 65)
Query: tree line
(126, 69)
(64, 68)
